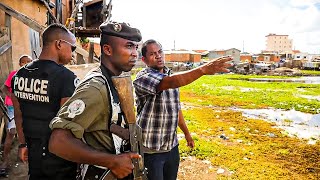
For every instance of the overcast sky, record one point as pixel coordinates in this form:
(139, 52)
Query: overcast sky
(222, 24)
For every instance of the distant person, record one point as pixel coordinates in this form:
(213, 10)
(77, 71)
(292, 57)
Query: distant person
(11, 126)
(39, 89)
(159, 110)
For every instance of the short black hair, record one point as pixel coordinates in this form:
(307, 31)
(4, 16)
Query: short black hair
(145, 44)
(53, 32)
(105, 39)
(25, 55)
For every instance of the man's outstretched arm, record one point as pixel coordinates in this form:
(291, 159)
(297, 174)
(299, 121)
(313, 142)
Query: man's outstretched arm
(187, 77)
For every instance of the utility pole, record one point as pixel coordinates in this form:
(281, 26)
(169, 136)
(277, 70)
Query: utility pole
(243, 46)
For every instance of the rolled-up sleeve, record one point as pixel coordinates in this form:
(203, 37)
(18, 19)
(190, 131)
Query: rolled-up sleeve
(81, 111)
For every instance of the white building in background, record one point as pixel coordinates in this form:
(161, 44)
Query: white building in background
(235, 53)
(302, 56)
(278, 43)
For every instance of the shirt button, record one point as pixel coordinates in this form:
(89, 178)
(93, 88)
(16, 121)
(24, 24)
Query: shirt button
(43, 154)
(44, 148)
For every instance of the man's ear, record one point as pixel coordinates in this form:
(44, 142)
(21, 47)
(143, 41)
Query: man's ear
(143, 59)
(58, 44)
(107, 49)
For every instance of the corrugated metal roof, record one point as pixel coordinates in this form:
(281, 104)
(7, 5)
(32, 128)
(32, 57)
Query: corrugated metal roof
(219, 50)
(272, 34)
(180, 52)
(202, 52)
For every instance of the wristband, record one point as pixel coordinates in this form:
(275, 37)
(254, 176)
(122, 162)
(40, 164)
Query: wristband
(22, 145)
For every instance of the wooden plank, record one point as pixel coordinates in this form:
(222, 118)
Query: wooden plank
(84, 54)
(4, 39)
(21, 17)
(80, 59)
(91, 2)
(5, 65)
(5, 47)
(91, 50)
(88, 32)
(50, 12)
(3, 118)
(2, 129)
(8, 24)
(84, 16)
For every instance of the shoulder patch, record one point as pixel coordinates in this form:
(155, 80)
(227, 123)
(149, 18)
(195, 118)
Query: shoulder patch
(76, 82)
(75, 108)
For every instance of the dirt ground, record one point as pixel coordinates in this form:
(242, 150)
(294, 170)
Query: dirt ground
(190, 168)
(194, 169)
(17, 169)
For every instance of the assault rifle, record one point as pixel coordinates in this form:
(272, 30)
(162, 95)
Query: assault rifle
(123, 85)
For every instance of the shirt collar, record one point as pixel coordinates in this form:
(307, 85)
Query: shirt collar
(166, 70)
(106, 72)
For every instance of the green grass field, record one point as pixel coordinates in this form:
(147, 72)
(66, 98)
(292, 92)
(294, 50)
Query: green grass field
(310, 72)
(234, 90)
(249, 152)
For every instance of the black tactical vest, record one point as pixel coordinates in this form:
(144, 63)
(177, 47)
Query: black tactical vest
(37, 87)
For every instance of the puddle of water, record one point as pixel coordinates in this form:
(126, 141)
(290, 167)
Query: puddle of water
(304, 79)
(311, 79)
(302, 125)
(242, 89)
(310, 97)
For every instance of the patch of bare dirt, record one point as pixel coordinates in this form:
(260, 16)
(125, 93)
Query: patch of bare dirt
(192, 168)
(17, 169)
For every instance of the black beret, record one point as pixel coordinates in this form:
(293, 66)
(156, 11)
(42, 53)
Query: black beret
(122, 30)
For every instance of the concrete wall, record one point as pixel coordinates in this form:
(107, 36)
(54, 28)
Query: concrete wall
(182, 57)
(83, 69)
(278, 43)
(195, 57)
(167, 57)
(235, 53)
(20, 32)
(275, 58)
(245, 58)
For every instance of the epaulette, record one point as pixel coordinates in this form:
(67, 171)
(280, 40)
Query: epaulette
(97, 75)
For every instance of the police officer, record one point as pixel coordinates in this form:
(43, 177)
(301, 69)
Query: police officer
(39, 89)
(94, 105)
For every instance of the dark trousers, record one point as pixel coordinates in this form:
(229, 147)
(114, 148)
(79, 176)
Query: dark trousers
(44, 165)
(163, 166)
